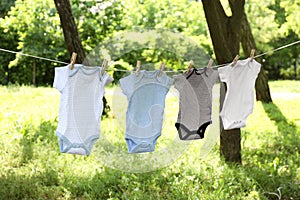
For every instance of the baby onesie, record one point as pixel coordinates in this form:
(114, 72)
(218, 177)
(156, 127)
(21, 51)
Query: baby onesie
(239, 98)
(81, 92)
(195, 102)
(146, 95)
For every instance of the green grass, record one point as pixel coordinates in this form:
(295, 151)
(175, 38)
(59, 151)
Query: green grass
(285, 86)
(33, 168)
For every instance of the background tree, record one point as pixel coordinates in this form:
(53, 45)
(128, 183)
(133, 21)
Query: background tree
(225, 36)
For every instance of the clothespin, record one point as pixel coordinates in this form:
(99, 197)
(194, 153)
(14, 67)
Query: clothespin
(252, 54)
(191, 64)
(138, 67)
(235, 60)
(210, 62)
(104, 64)
(73, 59)
(162, 66)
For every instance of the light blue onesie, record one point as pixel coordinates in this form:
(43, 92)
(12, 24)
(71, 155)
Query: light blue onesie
(146, 95)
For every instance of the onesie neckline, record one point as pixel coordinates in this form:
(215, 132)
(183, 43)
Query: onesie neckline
(241, 63)
(86, 70)
(198, 72)
(149, 74)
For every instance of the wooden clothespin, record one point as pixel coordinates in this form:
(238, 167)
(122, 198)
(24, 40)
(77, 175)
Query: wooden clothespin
(138, 67)
(191, 64)
(210, 62)
(104, 64)
(73, 59)
(162, 66)
(252, 54)
(237, 57)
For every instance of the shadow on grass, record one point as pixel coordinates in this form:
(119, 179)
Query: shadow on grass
(271, 168)
(44, 133)
(274, 166)
(288, 132)
(40, 185)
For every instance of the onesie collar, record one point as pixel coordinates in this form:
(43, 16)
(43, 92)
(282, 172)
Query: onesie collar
(84, 69)
(150, 74)
(244, 62)
(200, 71)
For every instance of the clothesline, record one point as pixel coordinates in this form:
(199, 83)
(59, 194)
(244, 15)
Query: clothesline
(123, 70)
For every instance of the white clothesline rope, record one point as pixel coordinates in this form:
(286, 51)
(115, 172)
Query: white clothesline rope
(124, 70)
(28, 55)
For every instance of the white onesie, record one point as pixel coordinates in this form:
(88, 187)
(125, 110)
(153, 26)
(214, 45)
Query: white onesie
(239, 98)
(81, 93)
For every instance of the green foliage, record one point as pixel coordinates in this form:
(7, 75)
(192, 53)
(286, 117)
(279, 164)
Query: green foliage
(168, 18)
(97, 20)
(284, 64)
(33, 168)
(33, 27)
(178, 16)
(280, 16)
(151, 47)
(8, 41)
(38, 33)
(5, 7)
(274, 24)
(292, 16)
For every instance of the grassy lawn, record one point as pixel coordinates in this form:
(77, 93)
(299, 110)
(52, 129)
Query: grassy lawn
(33, 168)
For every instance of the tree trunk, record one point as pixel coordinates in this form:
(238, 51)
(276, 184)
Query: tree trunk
(34, 73)
(225, 35)
(69, 27)
(261, 85)
(295, 69)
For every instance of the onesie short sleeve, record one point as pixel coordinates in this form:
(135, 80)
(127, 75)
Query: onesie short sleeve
(223, 73)
(165, 80)
(255, 67)
(179, 81)
(169, 81)
(126, 84)
(60, 77)
(214, 76)
(106, 79)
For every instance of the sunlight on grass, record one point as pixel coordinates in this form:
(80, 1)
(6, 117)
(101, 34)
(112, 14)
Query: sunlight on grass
(33, 168)
(285, 86)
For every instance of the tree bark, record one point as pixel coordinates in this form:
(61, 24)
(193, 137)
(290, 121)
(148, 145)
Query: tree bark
(225, 35)
(69, 27)
(261, 85)
(34, 72)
